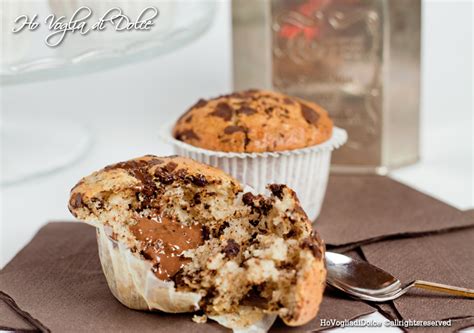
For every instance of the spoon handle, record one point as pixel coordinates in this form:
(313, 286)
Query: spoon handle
(443, 288)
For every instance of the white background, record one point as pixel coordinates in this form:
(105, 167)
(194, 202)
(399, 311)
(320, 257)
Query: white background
(124, 107)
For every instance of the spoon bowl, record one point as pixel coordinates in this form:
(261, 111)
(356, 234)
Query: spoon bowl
(365, 281)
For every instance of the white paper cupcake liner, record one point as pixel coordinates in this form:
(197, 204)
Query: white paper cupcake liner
(262, 322)
(133, 283)
(304, 170)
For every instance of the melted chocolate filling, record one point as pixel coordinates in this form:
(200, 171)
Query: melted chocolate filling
(164, 242)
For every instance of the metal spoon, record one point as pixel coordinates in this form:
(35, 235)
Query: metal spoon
(368, 282)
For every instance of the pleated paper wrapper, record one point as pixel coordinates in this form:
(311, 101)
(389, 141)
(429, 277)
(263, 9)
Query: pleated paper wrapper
(133, 283)
(305, 170)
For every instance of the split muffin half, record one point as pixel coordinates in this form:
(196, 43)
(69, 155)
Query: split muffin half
(179, 236)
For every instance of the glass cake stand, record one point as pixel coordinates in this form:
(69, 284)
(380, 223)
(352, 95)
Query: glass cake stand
(26, 58)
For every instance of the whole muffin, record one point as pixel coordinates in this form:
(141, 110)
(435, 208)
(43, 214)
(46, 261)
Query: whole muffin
(179, 236)
(254, 121)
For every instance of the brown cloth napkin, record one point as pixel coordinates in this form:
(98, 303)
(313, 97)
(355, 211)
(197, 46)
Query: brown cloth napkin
(57, 280)
(390, 312)
(445, 258)
(363, 209)
(11, 320)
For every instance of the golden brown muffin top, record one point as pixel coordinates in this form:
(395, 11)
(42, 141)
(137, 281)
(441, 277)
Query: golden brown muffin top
(141, 176)
(253, 121)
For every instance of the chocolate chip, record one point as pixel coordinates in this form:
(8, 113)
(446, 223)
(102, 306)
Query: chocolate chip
(170, 166)
(246, 140)
(211, 292)
(155, 161)
(223, 110)
(141, 173)
(164, 178)
(269, 110)
(222, 227)
(247, 110)
(122, 165)
(253, 238)
(76, 201)
(197, 199)
(165, 174)
(311, 243)
(265, 206)
(254, 222)
(259, 203)
(232, 249)
(277, 190)
(140, 170)
(199, 104)
(146, 255)
(309, 114)
(235, 129)
(188, 134)
(287, 100)
(181, 174)
(290, 234)
(188, 120)
(205, 233)
(199, 180)
(247, 199)
(98, 203)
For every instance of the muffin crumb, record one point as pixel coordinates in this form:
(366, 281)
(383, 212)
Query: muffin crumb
(199, 230)
(200, 319)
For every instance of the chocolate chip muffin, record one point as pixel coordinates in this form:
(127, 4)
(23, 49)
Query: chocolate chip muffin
(211, 246)
(254, 121)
